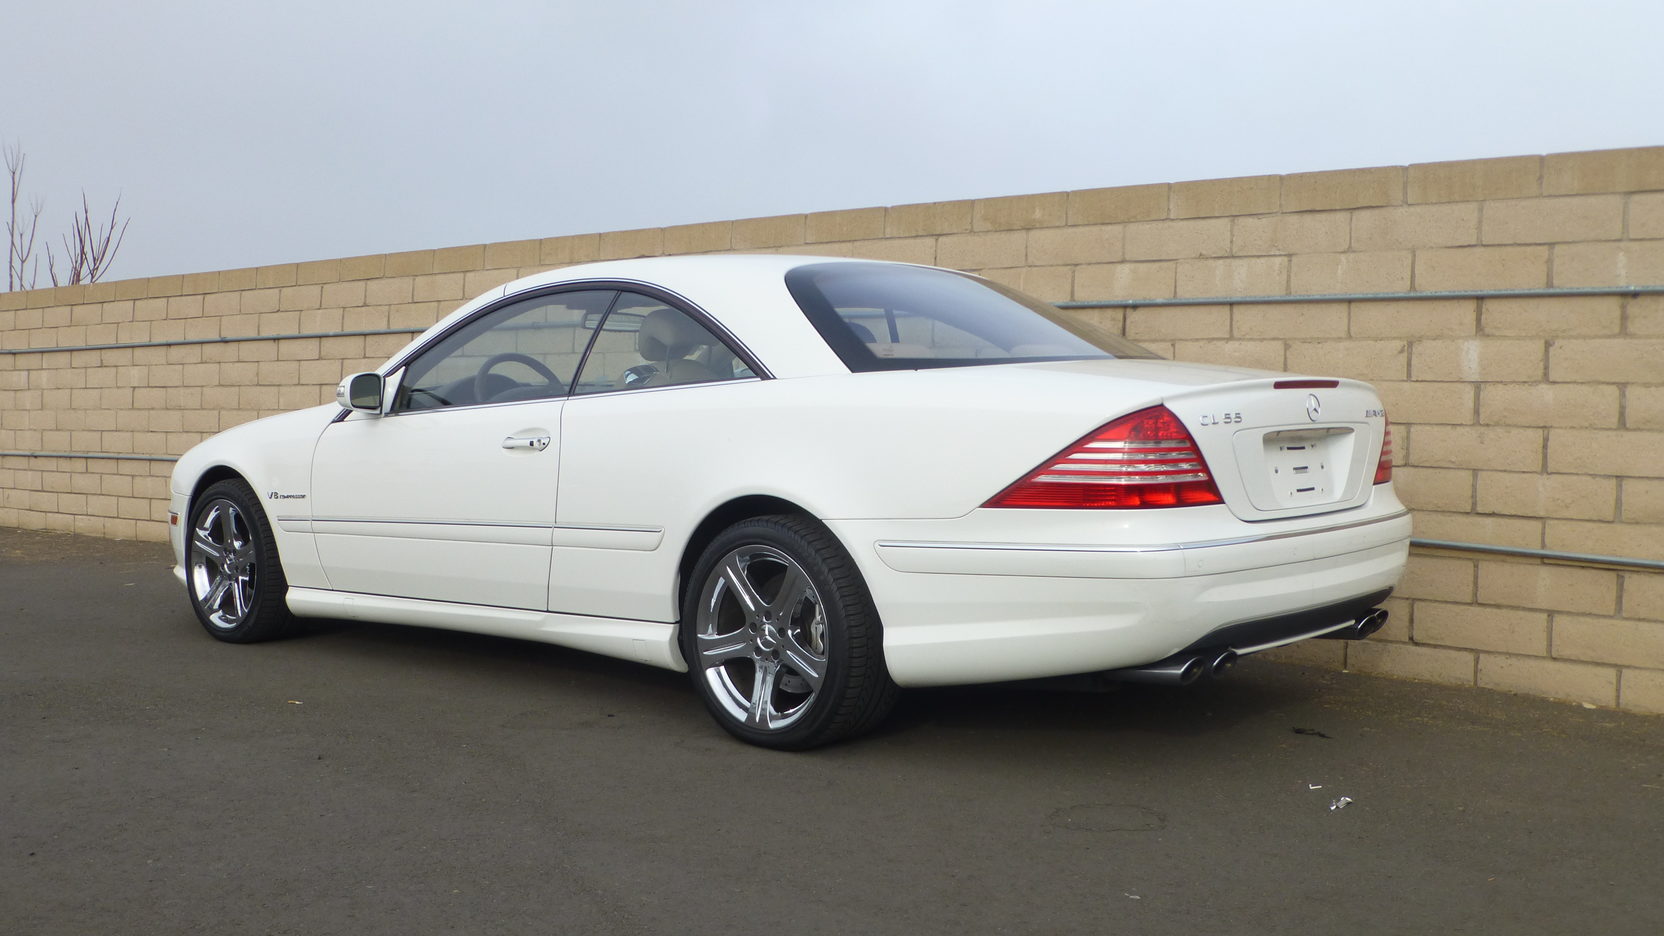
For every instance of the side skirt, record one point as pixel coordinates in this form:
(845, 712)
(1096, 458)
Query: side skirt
(650, 642)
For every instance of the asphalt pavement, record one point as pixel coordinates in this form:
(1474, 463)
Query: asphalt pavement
(363, 779)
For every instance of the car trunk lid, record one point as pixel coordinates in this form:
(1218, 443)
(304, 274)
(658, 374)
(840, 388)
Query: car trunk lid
(1286, 446)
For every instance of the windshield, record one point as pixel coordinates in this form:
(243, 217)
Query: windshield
(881, 316)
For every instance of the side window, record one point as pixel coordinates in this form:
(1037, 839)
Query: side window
(645, 343)
(524, 351)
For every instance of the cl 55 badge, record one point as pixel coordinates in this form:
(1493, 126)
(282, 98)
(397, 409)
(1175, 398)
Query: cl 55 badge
(1219, 419)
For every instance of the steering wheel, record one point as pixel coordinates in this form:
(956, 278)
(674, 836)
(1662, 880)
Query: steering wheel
(514, 357)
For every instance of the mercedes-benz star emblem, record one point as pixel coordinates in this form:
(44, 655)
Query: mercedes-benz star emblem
(1314, 407)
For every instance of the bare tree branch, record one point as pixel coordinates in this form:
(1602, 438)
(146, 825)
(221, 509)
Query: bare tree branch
(89, 247)
(20, 234)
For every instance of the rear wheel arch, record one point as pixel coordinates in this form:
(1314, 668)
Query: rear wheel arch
(723, 517)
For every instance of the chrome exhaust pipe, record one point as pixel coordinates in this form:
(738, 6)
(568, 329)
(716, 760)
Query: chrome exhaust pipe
(1219, 664)
(1174, 671)
(1361, 628)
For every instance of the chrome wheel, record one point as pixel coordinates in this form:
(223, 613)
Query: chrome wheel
(223, 564)
(760, 637)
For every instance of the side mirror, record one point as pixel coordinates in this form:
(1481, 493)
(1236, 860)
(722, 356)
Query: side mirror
(360, 392)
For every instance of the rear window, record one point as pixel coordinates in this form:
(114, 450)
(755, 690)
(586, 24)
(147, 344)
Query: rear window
(879, 316)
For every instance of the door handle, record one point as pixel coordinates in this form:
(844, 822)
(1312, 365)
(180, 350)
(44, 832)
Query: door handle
(534, 443)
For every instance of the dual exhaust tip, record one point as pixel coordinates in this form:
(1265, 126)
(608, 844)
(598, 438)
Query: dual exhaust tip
(1180, 670)
(1186, 668)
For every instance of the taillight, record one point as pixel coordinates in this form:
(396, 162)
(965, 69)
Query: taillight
(1143, 459)
(1383, 466)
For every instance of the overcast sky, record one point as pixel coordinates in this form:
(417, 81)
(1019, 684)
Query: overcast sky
(240, 133)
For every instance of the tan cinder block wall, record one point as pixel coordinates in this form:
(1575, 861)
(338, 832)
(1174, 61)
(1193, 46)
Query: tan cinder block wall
(1525, 422)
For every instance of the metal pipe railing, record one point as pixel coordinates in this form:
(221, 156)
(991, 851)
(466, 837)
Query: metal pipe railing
(179, 342)
(1557, 292)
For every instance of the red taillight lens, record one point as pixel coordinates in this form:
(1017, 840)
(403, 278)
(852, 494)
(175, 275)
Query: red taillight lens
(1383, 467)
(1144, 459)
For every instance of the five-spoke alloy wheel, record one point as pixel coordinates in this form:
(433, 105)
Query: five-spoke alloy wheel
(781, 636)
(236, 583)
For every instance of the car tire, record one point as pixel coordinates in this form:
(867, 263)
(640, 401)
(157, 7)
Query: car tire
(781, 637)
(232, 570)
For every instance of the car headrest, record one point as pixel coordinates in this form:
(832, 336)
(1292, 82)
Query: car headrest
(667, 335)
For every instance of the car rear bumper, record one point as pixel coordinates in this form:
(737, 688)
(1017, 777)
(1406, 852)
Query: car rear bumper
(980, 611)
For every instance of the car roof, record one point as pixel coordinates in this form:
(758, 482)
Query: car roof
(745, 293)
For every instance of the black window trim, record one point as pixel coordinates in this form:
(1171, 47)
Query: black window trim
(620, 286)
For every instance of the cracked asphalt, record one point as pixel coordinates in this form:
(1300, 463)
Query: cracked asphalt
(362, 779)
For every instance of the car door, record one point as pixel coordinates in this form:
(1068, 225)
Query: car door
(656, 378)
(449, 494)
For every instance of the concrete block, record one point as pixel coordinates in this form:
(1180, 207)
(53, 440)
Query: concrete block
(1642, 691)
(459, 259)
(1621, 263)
(1481, 447)
(1609, 640)
(1552, 317)
(779, 231)
(646, 242)
(1365, 272)
(1620, 170)
(1633, 540)
(1644, 595)
(1099, 243)
(266, 277)
(1315, 232)
(1265, 355)
(1017, 212)
(989, 250)
(1233, 276)
(1643, 501)
(1427, 402)
(854, 224)
(1474, 627)
(698, 238)
(1448, 489)
(561, 251)
(1437, 578)
(1632, 453)
(1176, 240)
(1290, 320)
(1547, 587)
(898, 249)
(1189, 322)
(1553, 220)
(1343, 188)
(1477, 359)
(1429, 318)
(1376, 359)
(1644, 407)
(1556, 679)
(1118, 205)
(1214, 198)
(409, 263)
(929, 218)
(1451, 268)
(1475, 179)
(505, 255)
(1646, 216)
(1410, 226)
(1578, 497)
(1591, 406)
(1410, 661)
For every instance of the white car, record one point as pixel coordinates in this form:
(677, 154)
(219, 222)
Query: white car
(808, 481)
